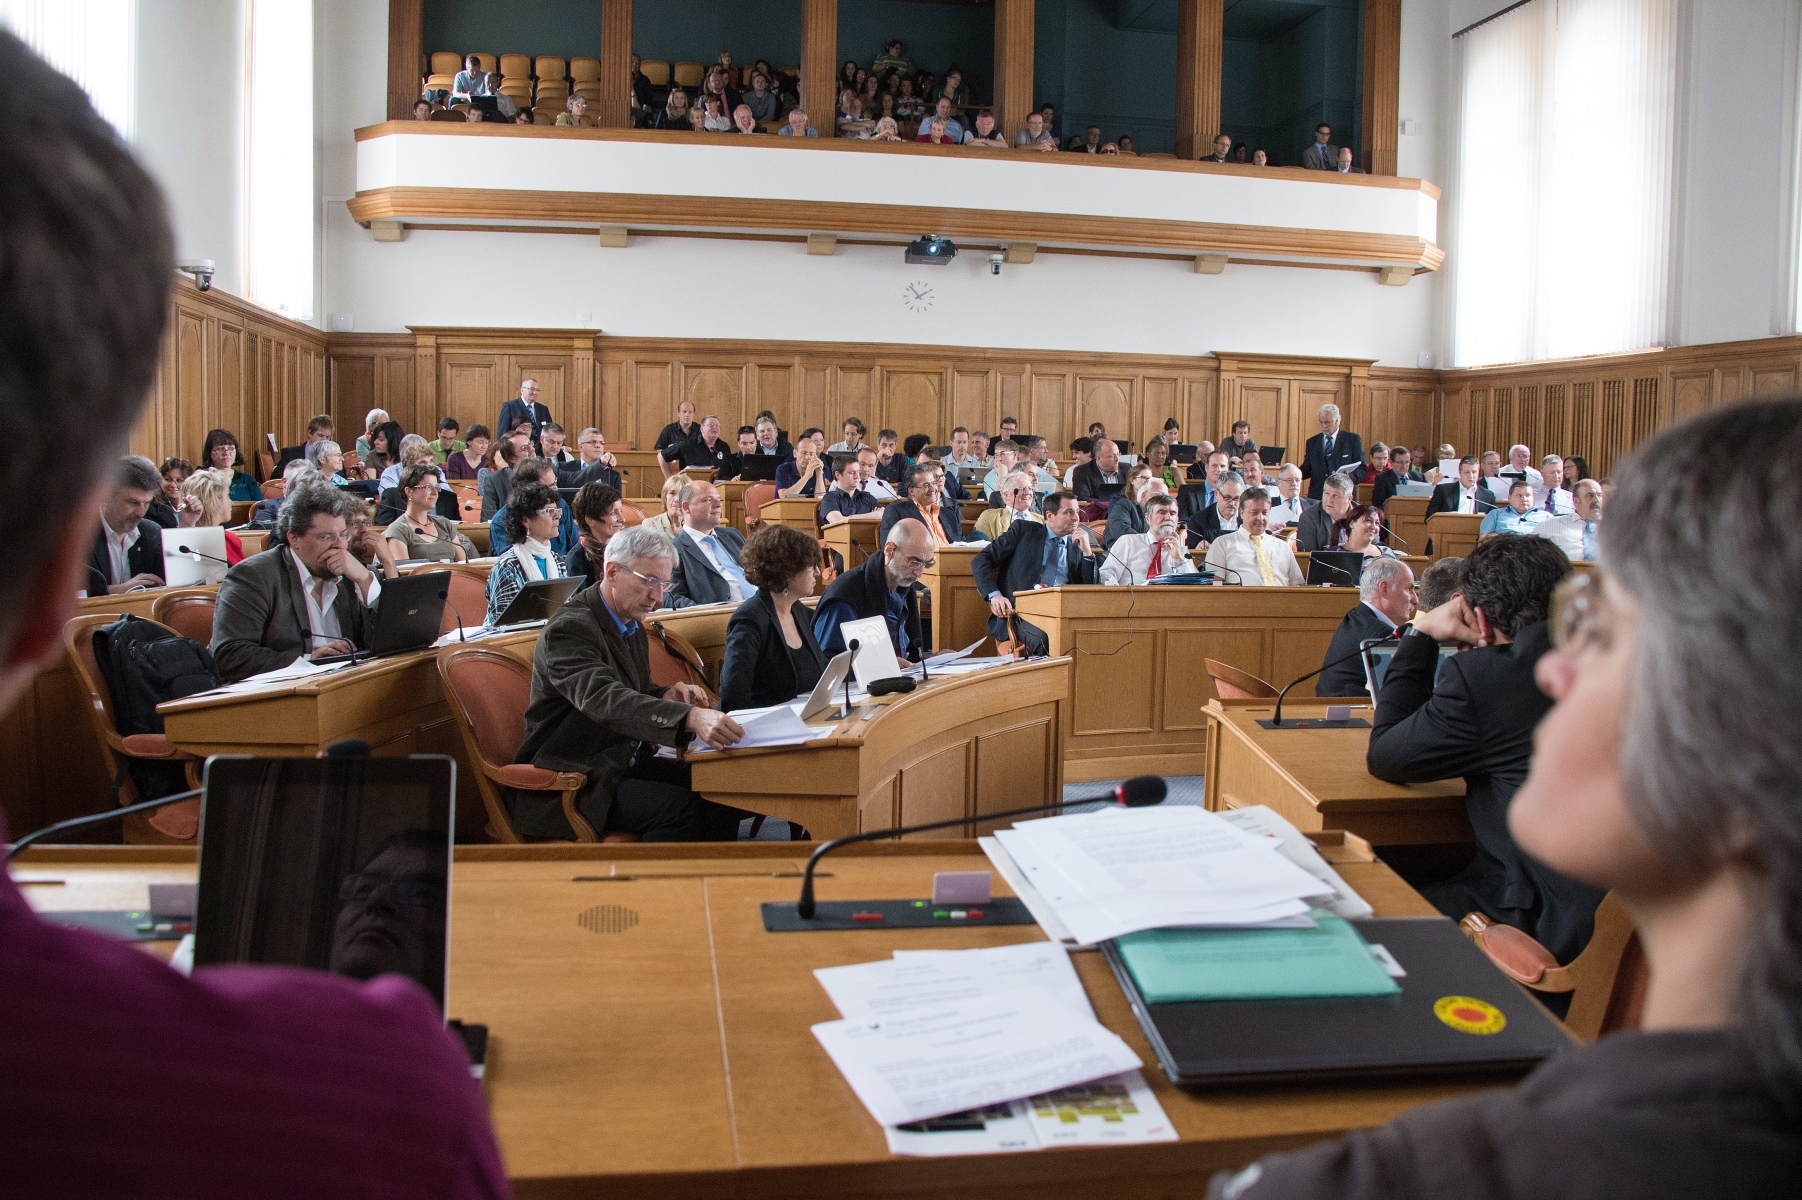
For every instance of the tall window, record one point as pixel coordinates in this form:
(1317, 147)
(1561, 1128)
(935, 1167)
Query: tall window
(278, 218)
(1566, 147)
(90, 41)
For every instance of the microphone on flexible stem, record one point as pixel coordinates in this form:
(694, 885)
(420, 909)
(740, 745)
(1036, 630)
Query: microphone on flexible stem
(457, 615)
(845, 709)
(112, 814)
(189, 550)
(1333, 567)
(1140, 791)
(1390, 533)
(1277, 720)
(1207, 571)
(329, 638)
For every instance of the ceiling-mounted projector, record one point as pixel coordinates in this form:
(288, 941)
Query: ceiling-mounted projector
(931, 249)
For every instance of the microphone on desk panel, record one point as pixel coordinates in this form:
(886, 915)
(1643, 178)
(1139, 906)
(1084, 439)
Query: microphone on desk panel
(853, 646)
(326, 637)
(1367, 643)
(197, 554)
(1140, 791)
(1333, 567)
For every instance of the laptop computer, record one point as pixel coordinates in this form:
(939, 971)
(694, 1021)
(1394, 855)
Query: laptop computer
(407, 616)
(1272, 455)
(829, 690)
(972, 476)
(760, 467)
(203, 560)
(1414, 491)
(537, 600)
(1335, 568)
(335, 864)
(1182, 453)
(1378, 658)
(1430, 1028)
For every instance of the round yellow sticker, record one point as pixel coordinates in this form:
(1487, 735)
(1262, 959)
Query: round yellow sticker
(1468, 1015)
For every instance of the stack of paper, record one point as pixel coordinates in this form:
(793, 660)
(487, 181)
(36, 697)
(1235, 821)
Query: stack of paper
(778, 726)
(1095, 876)
(982, 1051)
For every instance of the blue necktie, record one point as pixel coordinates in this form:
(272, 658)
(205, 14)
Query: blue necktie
(1053, 575)
(1589, 541)
(1329, 447)
(731, 570)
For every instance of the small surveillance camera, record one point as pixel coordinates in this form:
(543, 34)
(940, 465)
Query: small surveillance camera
(202, 271)
(995, 261)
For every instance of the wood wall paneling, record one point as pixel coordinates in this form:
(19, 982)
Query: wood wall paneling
(615, 110)
(406, 45)
(819, 59)
(1014, 27)
(1382, 84)
(1200, 32)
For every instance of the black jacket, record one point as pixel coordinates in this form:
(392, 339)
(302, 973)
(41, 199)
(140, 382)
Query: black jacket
(574, 475)
(950, 519)
(846, 504)
(697, 453)
(1347, 678)
(694, 580)
(144, 558)
(758, 670)
(1445, 499)
(1388, 481)
(1314, 530)
(865, 591)
(577, 565)
(1124, 516)
(1086, 481)
(515, 409)
(1317, 464)
(1207, 527)
(1479, 724)
(1012, 562)
(496, 487)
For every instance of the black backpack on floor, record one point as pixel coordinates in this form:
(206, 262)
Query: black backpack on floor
(143, 664)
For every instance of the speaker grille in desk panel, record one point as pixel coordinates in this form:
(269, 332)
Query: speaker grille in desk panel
(607, 918)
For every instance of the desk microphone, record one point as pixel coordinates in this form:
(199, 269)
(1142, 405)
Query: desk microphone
(340, 638)
(1394, 536)
(1333, 567)
(1207, 572)
(457, 615)
(193, 553)
(1138, 792)
(845, 709)
(1367, 643)
(112, 814)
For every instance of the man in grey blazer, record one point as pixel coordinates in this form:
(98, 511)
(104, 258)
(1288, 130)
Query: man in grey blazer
(308, 597)
(498, 485)
(707, 553)
(1314, 529)
(1322, 155)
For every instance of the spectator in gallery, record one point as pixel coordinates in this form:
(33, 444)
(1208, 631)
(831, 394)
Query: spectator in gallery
(470, 81)
(1321, 156)
(867, 94)
(1048, 114)
(714, 118)
(1034, 135)
(923, 85)
(1345, 164)
(719, 86)
(1259, 158)
(884, 106)
(954, 129)
(422, 110)
(1126, 144)
(1091, 141)
(850, 121)
(697, 119)
(1239, 154)
(847, 74)
(892, 59)
(673, 114)
(504, 107)
(1223, 149)
(1075, 143)
(908, 106)
(953, 90)
(473, 116)
(744, 120)
(985, 133)
(523, 117)
(764, 104)
(797, 125)
(934, 130)
(640, 98)
(576, 112)
(1110, 148)
(886, 131)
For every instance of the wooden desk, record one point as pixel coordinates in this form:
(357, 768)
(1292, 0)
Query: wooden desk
(959, 613)
(1136, 701)
(854, 538)
(1316, 778)
(241, 511)
(1453, 534)
(640, 476)
(732, 499)
(254, 541)
(969, 512)
(1416, 562)
(798, 512)
(675, 1060)
(1406, 517)
(477, 533)
(958, 746)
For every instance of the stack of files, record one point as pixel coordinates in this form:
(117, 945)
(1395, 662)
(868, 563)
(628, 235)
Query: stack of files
(985, 1051)
(1095, 876)
(778, 726)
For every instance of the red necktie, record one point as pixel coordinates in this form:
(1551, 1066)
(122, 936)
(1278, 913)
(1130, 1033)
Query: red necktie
(1157, 561)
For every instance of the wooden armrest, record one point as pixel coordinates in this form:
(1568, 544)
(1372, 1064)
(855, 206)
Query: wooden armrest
(149, 745)
(1517, 954)
(180, 821)
(537, 779)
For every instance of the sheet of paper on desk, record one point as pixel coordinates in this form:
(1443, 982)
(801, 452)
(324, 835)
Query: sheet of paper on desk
(1119, 1110)
(923, 978)
(778, 726)
(1263, 820)
(927, 1062)
(935, 661)
(300, 668)
(969, 666)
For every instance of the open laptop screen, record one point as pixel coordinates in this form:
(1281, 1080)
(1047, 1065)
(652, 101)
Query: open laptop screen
(338, 864)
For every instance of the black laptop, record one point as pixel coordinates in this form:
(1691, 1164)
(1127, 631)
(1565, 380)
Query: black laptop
(537, 600)
(1456, 1013)
(1182, 453)
(1272, 456)
(407, 616)
(1335, 568)
(759, 467)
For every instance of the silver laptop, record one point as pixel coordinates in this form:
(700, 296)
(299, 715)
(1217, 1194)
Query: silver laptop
(827, 690)
(1414, 491)
(194, 556)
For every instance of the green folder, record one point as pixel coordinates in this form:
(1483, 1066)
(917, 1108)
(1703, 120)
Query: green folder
(1332, 959)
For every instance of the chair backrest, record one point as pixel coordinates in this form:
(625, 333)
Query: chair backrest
(469, 501)
(188, 611)
(589, 91)
(756, 496)
(689, 74)
(446, 62)
(584, 69)
(546, 114)
(488, 693)
(487, 60)
(633, 514)
(274, 489)
(515, 64)
(1230, 683)
(265, 464)
(673, 658)
(655, 71)
(439, 114)
(549, 66)
(468, 598)
(1610, 975)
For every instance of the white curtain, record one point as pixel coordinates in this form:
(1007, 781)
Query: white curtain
(279, 208)
(1566, 155)
(93, 42)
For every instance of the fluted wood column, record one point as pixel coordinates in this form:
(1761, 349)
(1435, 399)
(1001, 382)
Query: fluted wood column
(406, 43)
(1013, 63)
(819, 62)
(1382, 84)
(1199, 25)
(615, 109)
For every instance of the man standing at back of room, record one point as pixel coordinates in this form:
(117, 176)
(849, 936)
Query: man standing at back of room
(525, 407)
(1332, 449)
(281, 1082)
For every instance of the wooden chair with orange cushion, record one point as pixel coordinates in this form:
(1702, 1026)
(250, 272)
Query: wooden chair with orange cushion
(188, 611)
(756, 496)
(265, 465)
(1607, 981)
(675, 660)
(488, 692)
(467, 603)
(469, 502)
(166, 826)
(273, 489)
(633, 514)
(1230, 683)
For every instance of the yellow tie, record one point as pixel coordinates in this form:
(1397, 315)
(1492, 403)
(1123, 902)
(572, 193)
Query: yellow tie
(1264, 567)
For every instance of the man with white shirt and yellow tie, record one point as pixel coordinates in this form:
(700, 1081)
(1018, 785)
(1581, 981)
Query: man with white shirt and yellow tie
(1575, 533)
(1138, 557)
(1252, 556)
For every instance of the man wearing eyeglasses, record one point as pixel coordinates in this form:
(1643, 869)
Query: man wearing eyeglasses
(943, 522)
(596, 710)
(1016, 505)
(1030, 556)
(707, 553)
(886, 586)
(292, 602)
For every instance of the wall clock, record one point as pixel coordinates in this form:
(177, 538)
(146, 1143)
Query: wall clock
(917, 297)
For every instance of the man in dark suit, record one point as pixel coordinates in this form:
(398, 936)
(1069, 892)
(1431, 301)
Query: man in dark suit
(1088, 478)
(921, 490)
(1032, 555)
(524, 407)
(1220, 517)
(885, 586)
(1332, 449)
(1314, 528)
(498, 485)
(306, 597)
(1401, 470)
(1385, 598)
(128, 550)
(1478, 723)
(319, 429)
(596, 710)
(592, 465)
(707, 553)
(1466, 494)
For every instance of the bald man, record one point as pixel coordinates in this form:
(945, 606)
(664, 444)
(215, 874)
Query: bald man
(887, 585)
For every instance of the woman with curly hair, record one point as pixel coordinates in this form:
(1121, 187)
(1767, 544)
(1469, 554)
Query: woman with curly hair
(771, 654)
(532, 514)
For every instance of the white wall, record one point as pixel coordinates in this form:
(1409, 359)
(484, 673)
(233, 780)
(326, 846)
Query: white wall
(190, 124)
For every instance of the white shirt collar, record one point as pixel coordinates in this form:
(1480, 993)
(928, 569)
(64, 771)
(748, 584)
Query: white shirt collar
(1379, 612)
